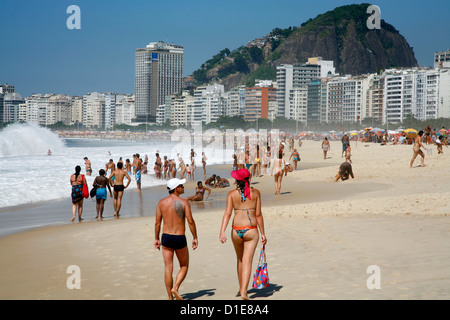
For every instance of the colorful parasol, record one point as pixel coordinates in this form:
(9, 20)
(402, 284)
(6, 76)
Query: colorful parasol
(411, 133)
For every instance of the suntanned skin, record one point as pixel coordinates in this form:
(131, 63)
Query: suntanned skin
(118, 175)
(417, 145)
(174, 211)
(245, 248)
(102, 182)
(74, 181)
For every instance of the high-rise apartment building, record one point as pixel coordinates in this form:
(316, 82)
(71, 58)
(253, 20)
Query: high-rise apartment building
(412, 92)
(298, 104)
(93, 106)
(374, 99)
(158, 73)
(442, 59)
(4, 90)
(236, 101)
(344, 99)
(299, 76)
(258, 102)
(210, 101)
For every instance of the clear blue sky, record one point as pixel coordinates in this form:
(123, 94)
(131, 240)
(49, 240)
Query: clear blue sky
(38, 54)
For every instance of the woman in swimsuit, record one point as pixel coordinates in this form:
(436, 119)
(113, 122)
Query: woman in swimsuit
(101, 183)
(416, 149)
(325, 147)
(166, 167)
(204, 164)
(246, 203)
(199, 193)
(296, 158)
(279, 169)
(77, 180)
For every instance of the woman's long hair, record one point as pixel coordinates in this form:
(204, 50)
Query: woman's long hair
(241, 187)
(77, 172)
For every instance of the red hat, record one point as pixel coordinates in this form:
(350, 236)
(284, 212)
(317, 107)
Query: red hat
(240, 174)
(243, 175)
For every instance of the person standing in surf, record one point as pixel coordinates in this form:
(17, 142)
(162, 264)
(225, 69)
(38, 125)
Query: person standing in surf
(77, 180)
(117, 176)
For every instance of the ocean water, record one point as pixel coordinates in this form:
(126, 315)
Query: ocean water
(28, 174)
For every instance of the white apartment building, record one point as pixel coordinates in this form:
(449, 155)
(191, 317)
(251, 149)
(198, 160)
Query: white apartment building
(444, 94)
(299, 76)
(413, 91)
(181, 110)
(125, 110)
(77, 110)
(298, 104)
(236, 101)
(11, 102)
(442, 59)
(285, 78)
(93, 104)
(48, 109)
(344, 99)
(158, 73)
(210, 100)
(374, 98)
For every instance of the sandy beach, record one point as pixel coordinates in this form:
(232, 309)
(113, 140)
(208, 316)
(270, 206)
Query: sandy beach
(322, 237)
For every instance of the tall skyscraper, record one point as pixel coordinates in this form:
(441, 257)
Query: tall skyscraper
(158, 73)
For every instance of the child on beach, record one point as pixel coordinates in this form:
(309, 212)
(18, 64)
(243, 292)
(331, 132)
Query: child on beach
(188, 170)
(348, 154)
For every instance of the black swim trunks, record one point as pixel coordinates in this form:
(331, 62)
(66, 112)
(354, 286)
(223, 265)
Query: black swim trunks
(173, 241)
(119, 187)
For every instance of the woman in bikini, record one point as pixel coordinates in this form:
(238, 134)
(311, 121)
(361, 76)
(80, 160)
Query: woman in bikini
(296, 158)
(325, 147)
(77, 180)
(246, 203)
(199, 193)
(417, 145)
(204, 164)
(279, 169)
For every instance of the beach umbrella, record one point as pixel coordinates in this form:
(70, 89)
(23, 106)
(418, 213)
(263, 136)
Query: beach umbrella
(354, 134)
(368, 129)
(411, 133)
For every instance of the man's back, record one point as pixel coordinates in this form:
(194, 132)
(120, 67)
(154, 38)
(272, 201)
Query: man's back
(173, 211)
(118, 176)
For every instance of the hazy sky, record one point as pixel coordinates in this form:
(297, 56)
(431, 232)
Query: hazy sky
(39, 54)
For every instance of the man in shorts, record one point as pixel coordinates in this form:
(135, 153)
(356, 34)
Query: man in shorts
(174, 211)
(116, 180)
(137, 171)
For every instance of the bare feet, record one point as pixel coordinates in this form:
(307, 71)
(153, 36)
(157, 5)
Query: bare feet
(244, 297)
(176, 294)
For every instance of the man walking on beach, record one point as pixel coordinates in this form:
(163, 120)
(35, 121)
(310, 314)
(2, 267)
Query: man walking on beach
(137, 164)
(117, 177)
(345, 142)
(174, 211)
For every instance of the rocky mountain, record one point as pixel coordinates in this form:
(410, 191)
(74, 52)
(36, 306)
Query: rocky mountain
(340, 35)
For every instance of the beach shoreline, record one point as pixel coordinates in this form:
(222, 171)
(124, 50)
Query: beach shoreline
(322, 238)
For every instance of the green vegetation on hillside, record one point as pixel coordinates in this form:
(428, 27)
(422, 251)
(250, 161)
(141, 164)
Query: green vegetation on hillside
(244, 58)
